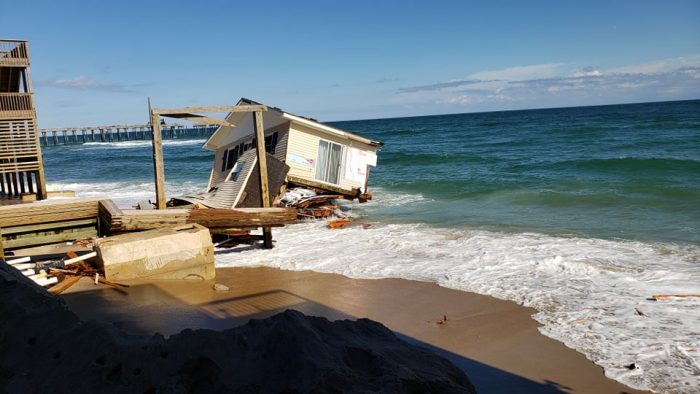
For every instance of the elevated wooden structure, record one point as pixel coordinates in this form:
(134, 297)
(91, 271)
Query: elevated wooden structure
(21, 165)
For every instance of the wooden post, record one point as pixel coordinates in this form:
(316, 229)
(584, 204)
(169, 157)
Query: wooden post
(157, 157)
(2, 249)
(262, 167)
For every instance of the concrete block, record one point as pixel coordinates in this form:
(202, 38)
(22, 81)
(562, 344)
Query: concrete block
(183, 252)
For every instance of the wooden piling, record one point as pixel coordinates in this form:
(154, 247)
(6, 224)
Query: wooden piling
(159, 171)
(262, 167)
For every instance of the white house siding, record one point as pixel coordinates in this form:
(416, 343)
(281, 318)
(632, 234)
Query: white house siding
(303, 144)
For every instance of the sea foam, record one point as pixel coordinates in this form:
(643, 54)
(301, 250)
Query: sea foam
(141, 143)
(125, 194)
(591, 294)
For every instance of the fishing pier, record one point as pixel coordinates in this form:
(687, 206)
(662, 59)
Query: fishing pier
(118, 133)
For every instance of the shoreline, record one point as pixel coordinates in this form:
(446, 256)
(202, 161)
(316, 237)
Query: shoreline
(496, 342)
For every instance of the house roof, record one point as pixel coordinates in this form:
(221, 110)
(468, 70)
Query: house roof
(303, 120)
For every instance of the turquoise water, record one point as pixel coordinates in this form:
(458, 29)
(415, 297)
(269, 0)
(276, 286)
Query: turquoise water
(619, 171)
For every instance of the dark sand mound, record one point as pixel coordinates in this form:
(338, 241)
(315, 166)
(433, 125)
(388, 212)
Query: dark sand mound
(44, 347)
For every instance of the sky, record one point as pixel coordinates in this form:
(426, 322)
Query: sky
(97, 62)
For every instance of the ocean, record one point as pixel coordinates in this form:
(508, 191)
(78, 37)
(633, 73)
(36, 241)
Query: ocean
(581, 213)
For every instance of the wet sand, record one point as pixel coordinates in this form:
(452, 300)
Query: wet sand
(496, 342)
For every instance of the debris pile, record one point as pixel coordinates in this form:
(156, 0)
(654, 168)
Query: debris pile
(310, 205)
(58, 273)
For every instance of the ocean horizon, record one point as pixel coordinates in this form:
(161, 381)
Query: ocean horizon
(582, 213)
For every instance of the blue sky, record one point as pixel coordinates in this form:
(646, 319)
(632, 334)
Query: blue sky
(96, 62)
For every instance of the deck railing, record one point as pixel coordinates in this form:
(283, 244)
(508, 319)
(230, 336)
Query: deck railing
(15, 101)
(14, 53)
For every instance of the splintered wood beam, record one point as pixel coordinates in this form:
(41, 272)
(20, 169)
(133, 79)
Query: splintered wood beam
(222, 108)
(158, 168)
(262, 166)
(214, 219)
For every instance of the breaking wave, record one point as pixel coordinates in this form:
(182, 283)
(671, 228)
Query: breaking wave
(126, 194)
(142, 143)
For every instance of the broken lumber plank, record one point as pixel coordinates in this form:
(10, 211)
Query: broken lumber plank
(659, 296)
(135, 220)
(47, 211)
(47, 239)
(109, 216)
(243, 217)
(49, 226)
(64, 285)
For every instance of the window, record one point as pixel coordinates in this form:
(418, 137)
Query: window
(223, 162)
(330, 162)
(271, 143)
(236, 171)
(231, 155)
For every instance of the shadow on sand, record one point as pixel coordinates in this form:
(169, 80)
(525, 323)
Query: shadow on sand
(149, 309)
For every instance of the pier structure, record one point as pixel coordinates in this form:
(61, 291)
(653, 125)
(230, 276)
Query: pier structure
(21, 164)
(118, 133)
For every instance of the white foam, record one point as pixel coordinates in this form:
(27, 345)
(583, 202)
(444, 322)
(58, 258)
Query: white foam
(126, 194)
(589, 292)
(141, 143)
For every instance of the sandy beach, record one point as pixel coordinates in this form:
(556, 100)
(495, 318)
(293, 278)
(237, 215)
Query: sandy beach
(495, 342)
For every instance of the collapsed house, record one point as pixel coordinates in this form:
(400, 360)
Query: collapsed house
(301, 152)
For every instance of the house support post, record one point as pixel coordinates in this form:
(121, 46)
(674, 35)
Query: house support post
(262, 166)
(157, 157)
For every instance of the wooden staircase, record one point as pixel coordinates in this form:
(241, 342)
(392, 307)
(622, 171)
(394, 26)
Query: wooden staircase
(21, 165)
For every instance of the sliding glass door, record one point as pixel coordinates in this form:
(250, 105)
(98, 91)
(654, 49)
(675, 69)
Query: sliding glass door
(330, 162)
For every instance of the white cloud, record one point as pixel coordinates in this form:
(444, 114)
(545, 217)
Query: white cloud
(82, 82)
(588, 72)
(664, 65)
(557, 83)
(521, 73)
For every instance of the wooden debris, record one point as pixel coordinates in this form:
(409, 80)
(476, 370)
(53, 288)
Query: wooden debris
(77, 258)
(64, 285)
(117, 220)
(662, 296)
(338, 223)
(443, 321)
